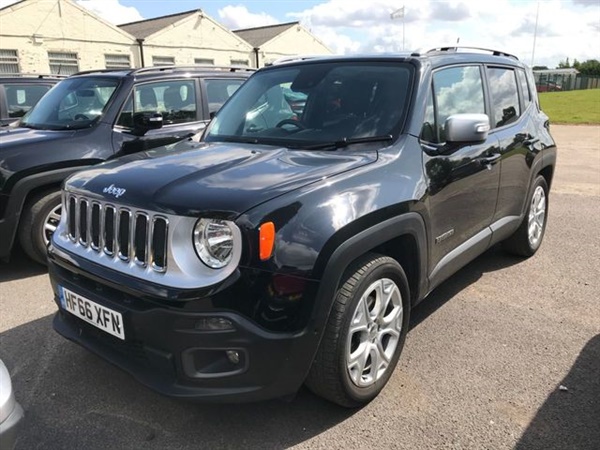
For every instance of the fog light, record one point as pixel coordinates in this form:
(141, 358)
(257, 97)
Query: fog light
(233, 356)
(214, 324)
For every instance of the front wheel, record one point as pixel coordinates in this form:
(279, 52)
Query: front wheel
(528, 237)
(365, 333)
(39, 221)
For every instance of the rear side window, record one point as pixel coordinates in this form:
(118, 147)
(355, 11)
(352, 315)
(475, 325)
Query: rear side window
(524, 88)
(219, 91)
(457, 90)
(504, 94)
(21, 98)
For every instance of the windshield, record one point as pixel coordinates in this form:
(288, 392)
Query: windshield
(72, 104)
(319, 103)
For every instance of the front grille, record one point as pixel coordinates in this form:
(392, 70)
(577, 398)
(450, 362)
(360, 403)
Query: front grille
(118, 231)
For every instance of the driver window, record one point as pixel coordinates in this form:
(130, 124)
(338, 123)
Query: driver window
(271, 109)
(457, 90)
(175, 100)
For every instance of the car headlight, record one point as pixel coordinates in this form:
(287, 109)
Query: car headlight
(213, 240)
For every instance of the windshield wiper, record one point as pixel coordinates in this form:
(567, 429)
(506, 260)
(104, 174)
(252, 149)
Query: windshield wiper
(345, 142)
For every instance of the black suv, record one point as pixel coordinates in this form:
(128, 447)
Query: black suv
(91, 117)
(291, 245)
(20, 92)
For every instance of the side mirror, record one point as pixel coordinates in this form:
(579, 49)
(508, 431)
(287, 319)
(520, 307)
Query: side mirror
(146, 121)
(467, 128)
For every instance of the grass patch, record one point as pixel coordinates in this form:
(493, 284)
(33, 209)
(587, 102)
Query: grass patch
(572, 107)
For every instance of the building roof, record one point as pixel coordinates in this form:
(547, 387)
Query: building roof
(259, 35)
(144, 28)
(570, 70)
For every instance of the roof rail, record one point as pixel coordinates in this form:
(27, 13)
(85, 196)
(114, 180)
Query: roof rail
(481, 49)
(86, 72)
(289, 59)
(32, 75)
(158, 69)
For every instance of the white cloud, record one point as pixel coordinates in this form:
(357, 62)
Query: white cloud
(5, 3)
(564, 28)
(236, 17)
(112, 11)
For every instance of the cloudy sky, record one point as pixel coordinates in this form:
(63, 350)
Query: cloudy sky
(566, 28)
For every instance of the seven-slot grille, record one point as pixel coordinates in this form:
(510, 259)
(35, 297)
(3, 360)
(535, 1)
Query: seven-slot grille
(118, 231)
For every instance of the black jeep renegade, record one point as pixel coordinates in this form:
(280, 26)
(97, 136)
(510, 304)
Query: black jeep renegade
(290, 245)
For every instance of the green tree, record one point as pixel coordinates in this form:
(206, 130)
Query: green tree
(591, 68)
(539, 68)
(564, 64)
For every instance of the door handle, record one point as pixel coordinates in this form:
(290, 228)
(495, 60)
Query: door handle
(488, 161)
(530, 143)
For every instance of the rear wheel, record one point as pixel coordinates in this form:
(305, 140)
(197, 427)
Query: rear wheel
(528, 237)
(38, 222)
(365, 333)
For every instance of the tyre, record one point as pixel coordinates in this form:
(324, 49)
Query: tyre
(40, 218)
(365, 333)
(528, 237)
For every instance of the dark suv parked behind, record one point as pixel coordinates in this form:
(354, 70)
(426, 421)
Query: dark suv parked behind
(89, 118)
(291, 246)
(20, 92)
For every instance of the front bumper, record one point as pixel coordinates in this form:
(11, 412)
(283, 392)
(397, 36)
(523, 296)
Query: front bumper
(165, 350)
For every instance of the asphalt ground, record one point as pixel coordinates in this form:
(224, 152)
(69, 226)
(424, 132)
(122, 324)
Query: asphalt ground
(482, 368)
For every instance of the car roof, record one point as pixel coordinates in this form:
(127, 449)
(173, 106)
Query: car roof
(33, 78)
(439, 56)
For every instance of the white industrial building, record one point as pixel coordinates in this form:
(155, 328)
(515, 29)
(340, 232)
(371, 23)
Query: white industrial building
(61, 37)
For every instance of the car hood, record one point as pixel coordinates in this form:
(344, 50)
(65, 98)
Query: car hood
(20, 137)
(218, 179)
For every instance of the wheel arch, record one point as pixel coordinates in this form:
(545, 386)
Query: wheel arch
(25, 189)
(401, 237)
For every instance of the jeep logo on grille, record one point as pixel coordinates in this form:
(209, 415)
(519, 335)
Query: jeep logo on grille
(113, 190)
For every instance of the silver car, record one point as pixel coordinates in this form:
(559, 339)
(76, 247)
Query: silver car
(11, 412)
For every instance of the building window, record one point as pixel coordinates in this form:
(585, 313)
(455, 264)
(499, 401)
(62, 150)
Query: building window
(63, 63)
(204, 61)
(163, 61)
(240, 62)
(117, 61)
(9, 61)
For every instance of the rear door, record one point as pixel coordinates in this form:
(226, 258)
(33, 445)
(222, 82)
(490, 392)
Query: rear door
(462, 179)
(513, 123)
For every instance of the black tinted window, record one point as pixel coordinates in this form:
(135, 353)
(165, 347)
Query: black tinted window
(21, 98)
(505, 98)
(524, 88)
(219, 91)
(458, 90)
(429, 129)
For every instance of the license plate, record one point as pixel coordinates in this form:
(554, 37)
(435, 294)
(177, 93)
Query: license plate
(104, 318)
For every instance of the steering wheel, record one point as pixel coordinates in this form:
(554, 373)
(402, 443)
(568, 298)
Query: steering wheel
(296, 123)
(80, 117)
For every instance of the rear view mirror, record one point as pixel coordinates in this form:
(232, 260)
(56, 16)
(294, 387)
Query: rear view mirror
(467, 128)
(146, 121)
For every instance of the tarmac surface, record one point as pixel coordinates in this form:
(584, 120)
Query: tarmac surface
(505, 354)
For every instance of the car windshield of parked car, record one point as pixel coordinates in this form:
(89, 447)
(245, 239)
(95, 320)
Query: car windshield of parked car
(313, 105)
(73, 103)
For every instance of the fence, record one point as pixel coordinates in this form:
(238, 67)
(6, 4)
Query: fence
(559, 82)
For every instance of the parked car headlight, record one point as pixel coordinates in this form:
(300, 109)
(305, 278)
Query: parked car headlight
(214, 240)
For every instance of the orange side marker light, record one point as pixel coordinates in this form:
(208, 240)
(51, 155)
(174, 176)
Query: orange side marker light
(266, 240)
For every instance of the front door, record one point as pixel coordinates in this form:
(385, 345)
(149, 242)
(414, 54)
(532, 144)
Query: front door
(176, 100)
(462, 180)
